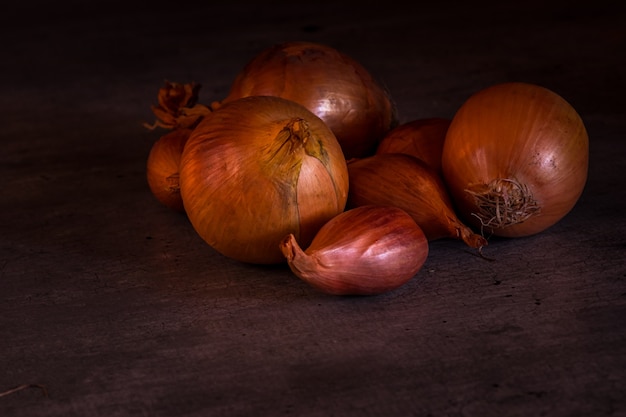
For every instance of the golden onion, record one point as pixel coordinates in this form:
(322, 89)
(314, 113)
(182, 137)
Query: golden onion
(258, 169)
(332, 85)
(515, 159)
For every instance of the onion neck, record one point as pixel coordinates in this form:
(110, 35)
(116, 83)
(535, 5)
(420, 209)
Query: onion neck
(470, 238)
(295, 140)
(178, 107)
(300, 263)
(291, 138)
(300, 133)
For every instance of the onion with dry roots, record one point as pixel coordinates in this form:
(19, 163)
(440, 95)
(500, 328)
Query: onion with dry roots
(422, 138)
(515, 159)
(363, 251)
(332, 85)
(404, 181)
(258, 169)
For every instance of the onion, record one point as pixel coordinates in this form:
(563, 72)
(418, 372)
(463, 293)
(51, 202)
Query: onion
(178, 110)
(258, 169)
(329, 83)
(363, 251)
(515, 159)
(162, 167)
(404, 181)
(422, 138)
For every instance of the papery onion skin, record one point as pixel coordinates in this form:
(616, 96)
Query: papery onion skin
(257, 169)
(367, 250)
(515, 159)
(163, 165)
(332, 85)
(407, 182)
(422, 138)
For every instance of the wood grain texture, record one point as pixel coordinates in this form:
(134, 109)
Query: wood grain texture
(116, 306)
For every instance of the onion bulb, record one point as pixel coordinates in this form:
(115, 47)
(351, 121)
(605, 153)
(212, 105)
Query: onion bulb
(363, 251)
(162, 167)
(177, 110)
(258, 169)
(515, 159)
(332, 85)
(406, 182)
(422, 138)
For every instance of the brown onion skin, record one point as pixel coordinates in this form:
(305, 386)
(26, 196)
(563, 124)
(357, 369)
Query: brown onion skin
(248, 178)
(422, 138)
(162, 168)
(367, 250)
(523, 137)
(332, 85)
(407, 182)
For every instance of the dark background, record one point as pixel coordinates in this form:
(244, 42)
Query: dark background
(116, 306)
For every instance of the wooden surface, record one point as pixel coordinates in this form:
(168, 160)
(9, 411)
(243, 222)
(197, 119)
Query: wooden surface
(115, 305)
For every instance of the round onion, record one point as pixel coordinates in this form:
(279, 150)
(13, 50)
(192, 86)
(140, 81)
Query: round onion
(515, 159)
(162, 167)
(421, 138)
(332, 85)
(258, 169)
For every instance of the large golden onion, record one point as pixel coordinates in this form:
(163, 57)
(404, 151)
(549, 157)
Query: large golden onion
(515, 159)
(332, 85)
(257, 169)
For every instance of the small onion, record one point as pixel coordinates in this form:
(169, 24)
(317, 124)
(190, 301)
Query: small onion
(363, 251)
(332, 85)
(515, 159)
(422, 138)
(404, 181)
(162, 167)
(178, 110)
(258, 169)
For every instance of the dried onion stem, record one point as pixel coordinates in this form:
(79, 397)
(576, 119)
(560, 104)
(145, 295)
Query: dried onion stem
(178, 107)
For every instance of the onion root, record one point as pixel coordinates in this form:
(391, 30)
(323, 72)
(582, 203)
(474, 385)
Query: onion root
(503, 202)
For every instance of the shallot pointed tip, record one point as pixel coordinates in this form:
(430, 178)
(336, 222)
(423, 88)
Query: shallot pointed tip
(475, 240)
(288, 246)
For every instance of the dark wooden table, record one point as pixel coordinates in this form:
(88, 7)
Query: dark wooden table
(116, 307)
